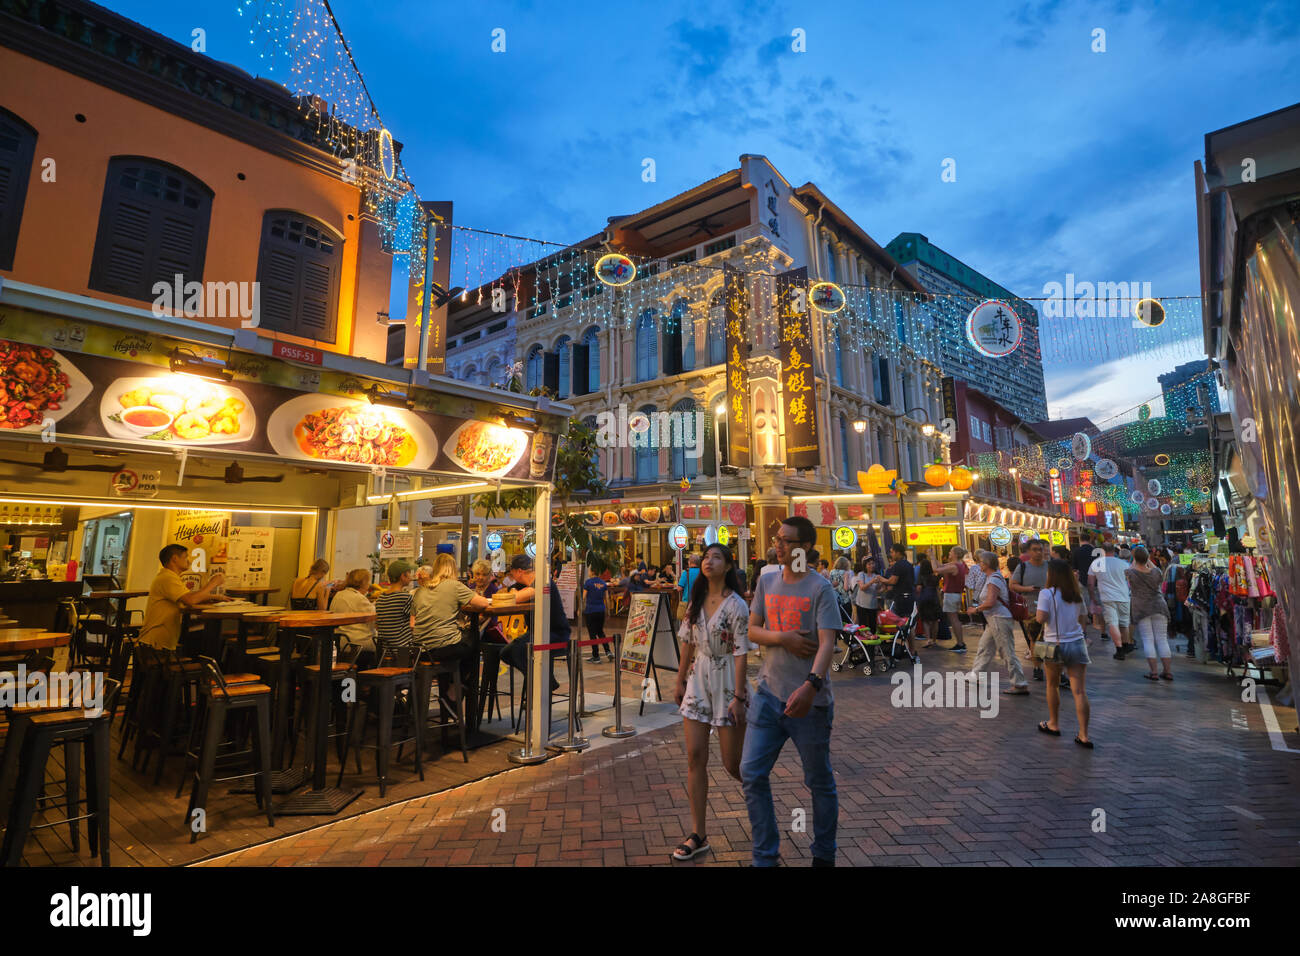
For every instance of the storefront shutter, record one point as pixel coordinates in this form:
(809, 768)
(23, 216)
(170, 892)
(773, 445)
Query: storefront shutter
(299, 268)
(153, 226)
(17, 146)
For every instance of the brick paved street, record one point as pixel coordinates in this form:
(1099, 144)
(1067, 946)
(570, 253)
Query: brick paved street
(1184, 771)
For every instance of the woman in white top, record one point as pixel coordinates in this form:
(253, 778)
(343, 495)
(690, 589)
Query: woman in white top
(864, 594)
(711, 687)
(1062, 612)
(353, 599)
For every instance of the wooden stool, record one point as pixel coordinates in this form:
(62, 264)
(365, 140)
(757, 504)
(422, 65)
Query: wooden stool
(380, 687)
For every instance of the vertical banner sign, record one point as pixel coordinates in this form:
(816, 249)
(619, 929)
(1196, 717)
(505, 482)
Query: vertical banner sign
(737, 301)
(441, 251)
(950, 400)
(798, 400)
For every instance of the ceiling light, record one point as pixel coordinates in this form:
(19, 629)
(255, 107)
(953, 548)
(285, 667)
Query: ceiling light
(393, 397)
(185, 362)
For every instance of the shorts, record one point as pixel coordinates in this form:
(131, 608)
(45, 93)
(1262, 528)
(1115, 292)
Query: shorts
(951, 603)
(1115, 613)
(1072, 652)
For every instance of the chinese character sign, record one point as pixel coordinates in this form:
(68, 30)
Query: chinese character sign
(737, 302)
(994, 329)
(798, 397)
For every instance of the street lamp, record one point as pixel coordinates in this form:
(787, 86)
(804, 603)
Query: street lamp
(1015, 476)
(859, 426)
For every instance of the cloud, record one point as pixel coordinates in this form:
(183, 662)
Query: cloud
(701, 50)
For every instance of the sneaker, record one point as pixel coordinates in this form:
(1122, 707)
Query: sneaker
(594, 660)
(959, 649)
(1119, 654)
(1038, 673)
(1065, 681)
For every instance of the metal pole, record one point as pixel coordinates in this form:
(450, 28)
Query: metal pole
(717, 460)
(572, 742)
(422, 362)
(537, 725)
(618, 730)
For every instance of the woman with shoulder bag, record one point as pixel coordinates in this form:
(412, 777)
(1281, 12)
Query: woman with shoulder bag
(1062, 612)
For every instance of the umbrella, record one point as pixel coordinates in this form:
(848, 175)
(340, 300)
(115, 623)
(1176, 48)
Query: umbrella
(886, 536)
(873, 546)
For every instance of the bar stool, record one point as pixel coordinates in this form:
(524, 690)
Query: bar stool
(448, 715)
(223, 700)
(489, 695)
(379, 690)
(33, 731)
(344, 666)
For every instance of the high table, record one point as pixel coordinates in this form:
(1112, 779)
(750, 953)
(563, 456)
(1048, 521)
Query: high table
(121, 597)
(214, 616)
(319, 626)
(257, 595)
(14, 639)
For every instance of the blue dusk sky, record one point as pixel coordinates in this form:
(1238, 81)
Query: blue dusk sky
(1067, 160)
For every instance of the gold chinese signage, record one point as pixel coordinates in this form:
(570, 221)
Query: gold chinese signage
(798, 397)
(737, 302)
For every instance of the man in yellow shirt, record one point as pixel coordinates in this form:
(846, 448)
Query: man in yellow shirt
(168, 596)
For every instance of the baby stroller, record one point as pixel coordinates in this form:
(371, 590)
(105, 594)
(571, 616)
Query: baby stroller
(861, 647)
(895, 631)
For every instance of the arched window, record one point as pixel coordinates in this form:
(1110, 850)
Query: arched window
(591, 340)
(831, 273)
(838, 345)
(299, 267)
(564, 349)
(844, 449)
(470, 374)
(17, 147)
(492, 374)
(685, 452)
(647, 347)
(153, 226)
(647, 458)
(883, 392)
(533, 369)
(717, 331)
(685, 324)
(714, 431)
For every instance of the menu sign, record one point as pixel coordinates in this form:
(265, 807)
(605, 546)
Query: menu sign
(798, 400)
(248, 557)
(737, 309)
(89, 381)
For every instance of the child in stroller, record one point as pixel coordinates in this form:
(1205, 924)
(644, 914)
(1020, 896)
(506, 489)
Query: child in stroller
(862, 646)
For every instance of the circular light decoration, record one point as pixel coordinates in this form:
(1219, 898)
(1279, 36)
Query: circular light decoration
(1166, 509)
(678, 537)
(1178, 492)
(387, 159)
(1107, 469)
(1054, 473)
(724, 535)
(1190, 473)
(1153, 487)
(1138, 496)
(1000, 537)
(1149, 312)
(845, 538)
(1205, 489)
(531, 550)
(1144, 412)
(615, 269)
(994, 329)
(710, 535)
(1065, 464)
(1162, 459)
(827, 297)
(1080, 446)
(1154, 504)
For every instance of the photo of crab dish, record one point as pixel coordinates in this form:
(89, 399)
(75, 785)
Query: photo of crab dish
(334, 428)
(485, 449)
(37, 384)
(175, 408)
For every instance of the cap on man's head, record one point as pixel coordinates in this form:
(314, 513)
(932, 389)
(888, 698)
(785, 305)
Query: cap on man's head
(521, 562)
(396, 569)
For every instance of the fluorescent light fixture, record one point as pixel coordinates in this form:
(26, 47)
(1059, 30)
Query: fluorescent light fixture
(174, 506)
(432, 491)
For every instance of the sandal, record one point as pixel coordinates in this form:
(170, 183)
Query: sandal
(1150, 676)
(1042, 725)
(1083, 743)
(685, 851)
(1166, 676)
(1017, 692)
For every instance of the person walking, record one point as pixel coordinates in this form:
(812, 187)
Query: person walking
(1149, 612)
(865, 597)
(712, 692)
(842, 580)
(995, 606)
(593, 614)
(1062, 614)
(794, 617)
(927, 601)
(953, 574)
(1109, 588)
(900, 579)
(1028, 579)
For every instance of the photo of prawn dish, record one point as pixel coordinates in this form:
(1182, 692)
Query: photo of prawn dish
(176, 408)
(36, 384)
(487, 450)
(333, 428)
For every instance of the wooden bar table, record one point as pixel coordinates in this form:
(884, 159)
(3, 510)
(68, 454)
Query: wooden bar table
(215, 615)
(121, 597)
(320, 800)
(256, 595)
(15, 639)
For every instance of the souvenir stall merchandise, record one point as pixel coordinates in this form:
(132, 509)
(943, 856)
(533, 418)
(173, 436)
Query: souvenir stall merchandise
(1234, 618)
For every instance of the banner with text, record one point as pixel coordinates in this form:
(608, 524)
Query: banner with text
(798, 399)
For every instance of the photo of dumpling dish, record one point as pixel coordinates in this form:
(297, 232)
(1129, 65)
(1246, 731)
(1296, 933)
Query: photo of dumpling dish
(174, 408)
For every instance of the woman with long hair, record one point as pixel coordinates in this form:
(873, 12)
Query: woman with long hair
(1063, 614)
(1149, 613)
(309, 593)
(842, 578)
(865, 596)
(711, 688)
(437, 607)
(927, 601)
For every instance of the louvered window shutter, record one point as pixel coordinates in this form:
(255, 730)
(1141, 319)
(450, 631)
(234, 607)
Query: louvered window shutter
(153, 226)
(299, 268)
(17, 146)
(551, 372)
(581, 369)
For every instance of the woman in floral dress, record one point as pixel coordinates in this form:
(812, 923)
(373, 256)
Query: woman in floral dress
(711, 686)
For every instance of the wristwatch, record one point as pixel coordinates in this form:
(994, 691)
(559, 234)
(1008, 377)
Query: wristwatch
(816, 681)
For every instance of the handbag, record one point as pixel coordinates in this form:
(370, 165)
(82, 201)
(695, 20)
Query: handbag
(1044, 651)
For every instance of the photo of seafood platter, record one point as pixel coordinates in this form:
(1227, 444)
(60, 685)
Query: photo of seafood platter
(177, 408)
(485, 449)
(37, 384)
(334, 428)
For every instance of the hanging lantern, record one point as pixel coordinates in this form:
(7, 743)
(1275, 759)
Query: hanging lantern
(1149, 312)
(936, 475)
(615, 269)
(1080, 446)
(1162, 459)
(960, 478)
(994, 329)
(827, 297)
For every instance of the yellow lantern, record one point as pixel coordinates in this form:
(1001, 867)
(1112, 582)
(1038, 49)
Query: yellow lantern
(936, 475)
(960, 478)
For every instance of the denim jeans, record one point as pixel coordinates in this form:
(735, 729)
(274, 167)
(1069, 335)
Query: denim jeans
(766, 734)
